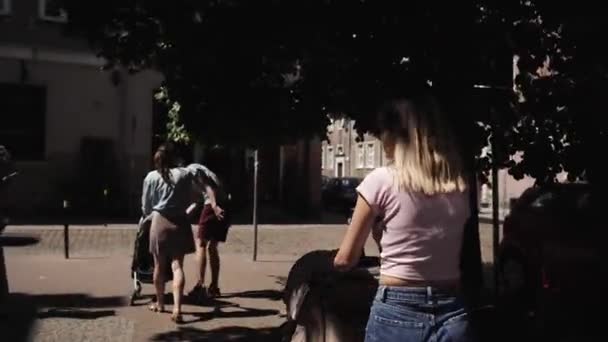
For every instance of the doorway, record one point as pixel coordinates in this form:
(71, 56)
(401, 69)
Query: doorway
(339, 169)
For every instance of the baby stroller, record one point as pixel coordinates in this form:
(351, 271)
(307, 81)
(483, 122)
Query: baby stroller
(319, 301)
(142, 265)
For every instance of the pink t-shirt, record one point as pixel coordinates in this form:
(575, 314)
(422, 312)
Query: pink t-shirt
(422, 234)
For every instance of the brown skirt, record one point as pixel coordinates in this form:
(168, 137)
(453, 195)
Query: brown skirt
(172, 238)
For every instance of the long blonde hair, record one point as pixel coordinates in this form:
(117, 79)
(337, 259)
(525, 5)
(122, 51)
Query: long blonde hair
(426, 154)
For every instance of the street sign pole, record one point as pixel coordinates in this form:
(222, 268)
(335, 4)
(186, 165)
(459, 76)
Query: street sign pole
(255, 205)
(495, 199)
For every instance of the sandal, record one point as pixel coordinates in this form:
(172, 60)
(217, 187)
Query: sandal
(177, 318)
(154, 307)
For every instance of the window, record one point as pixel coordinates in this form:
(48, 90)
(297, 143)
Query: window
(5, 7)
(322, 157)
(360, 156)
(371, 155)
(340, 150)
(23, 120)
(51, 10)
(330, 157)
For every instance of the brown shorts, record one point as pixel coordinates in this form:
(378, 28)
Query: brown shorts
(210, 227)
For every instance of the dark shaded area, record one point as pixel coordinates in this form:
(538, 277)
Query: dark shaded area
(12, 240)
(77, 300)
(241, 312)
(235, 311)
(234, 333)
(18, 313)
(265, 294)
(554, 319)
(75, 313)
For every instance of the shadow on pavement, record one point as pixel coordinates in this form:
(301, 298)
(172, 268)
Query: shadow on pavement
(233, 333)
(75, 313)
(265, 294)
(235, 311)
(20, 311)
(69, 300)
(14, 240)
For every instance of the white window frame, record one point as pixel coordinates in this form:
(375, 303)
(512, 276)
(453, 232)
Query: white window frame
(360, 156)
(6, 8)
(322, 157)
(339, 149)
(63, 18)
(330, 157)
(370, 155)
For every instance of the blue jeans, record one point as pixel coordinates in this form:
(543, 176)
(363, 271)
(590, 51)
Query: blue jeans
(416, 314)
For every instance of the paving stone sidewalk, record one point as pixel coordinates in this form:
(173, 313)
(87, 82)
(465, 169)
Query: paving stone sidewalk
(85, 298)
(293, 240)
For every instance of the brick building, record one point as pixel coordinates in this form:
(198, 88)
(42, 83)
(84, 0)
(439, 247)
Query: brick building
(344, 154)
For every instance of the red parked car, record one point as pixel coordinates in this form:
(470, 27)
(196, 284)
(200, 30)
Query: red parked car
(552, 258)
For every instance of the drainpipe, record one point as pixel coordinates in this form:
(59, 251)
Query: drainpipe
(122, 150)
(281, 172)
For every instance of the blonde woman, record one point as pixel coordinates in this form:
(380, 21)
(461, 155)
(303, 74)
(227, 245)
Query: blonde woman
(422, 201)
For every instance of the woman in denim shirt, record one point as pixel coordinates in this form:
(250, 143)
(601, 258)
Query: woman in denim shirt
(422, 200)
(167, 193)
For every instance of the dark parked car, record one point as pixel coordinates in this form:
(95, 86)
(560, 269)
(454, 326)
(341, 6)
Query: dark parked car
(340, 193)
(552, 256)
(324, 182)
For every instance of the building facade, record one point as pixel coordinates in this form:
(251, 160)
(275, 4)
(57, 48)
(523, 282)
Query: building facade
(345, 154)
(76, 132)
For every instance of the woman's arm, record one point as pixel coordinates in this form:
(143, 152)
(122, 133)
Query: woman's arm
(205, 185)
(146, 201)
(356, 235)
(219, 212)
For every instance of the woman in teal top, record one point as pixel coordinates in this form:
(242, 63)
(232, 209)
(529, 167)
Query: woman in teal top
(167, 193)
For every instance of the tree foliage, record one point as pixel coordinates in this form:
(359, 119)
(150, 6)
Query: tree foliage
(269, 71)
(557, 119)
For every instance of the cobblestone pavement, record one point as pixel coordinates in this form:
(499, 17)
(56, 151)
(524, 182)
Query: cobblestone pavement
(99, 330)
(85, 298)
(293, 240)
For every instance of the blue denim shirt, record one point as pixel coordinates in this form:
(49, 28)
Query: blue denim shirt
(208, 177)
(169, 199)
